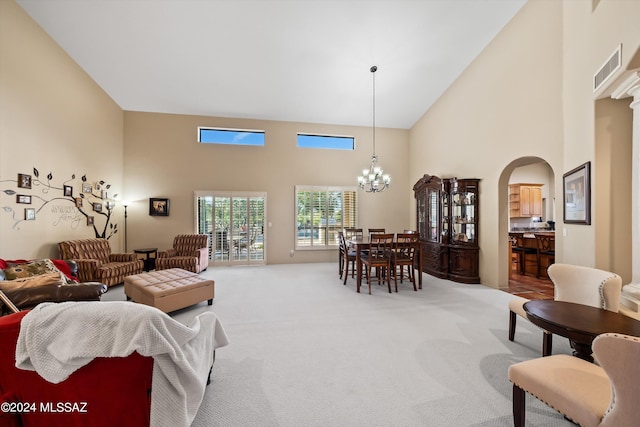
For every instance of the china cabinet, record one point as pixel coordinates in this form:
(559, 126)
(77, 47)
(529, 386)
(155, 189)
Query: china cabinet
(447, 221)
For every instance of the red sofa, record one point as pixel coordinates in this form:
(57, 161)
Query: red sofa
(107, 392)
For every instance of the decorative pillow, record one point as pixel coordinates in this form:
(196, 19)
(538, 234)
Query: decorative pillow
(32, 282)
(32, 268)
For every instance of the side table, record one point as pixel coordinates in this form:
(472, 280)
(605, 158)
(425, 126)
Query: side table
(150, 257)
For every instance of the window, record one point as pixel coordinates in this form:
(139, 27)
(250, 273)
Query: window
(230, 136)
(321, 212)
(326, 141)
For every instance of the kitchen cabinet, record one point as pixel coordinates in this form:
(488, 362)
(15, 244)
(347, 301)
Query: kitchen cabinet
(525, 200)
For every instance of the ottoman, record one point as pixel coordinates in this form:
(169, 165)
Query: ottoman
(169, 290)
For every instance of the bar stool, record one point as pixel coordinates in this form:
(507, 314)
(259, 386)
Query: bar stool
(518, 247)
(545, 248)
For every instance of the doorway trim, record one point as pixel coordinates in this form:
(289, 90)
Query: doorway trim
(503, 213)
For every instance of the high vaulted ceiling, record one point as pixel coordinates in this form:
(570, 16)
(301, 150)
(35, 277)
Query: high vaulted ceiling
(286, 60)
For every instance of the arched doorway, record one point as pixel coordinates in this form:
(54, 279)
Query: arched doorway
(530, 170)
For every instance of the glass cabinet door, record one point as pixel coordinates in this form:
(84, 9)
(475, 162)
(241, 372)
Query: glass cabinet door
(432, 216)
(445, 216)
(464, 217)
(422, 216)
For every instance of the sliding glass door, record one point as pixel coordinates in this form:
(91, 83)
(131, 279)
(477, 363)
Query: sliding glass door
(235, 222)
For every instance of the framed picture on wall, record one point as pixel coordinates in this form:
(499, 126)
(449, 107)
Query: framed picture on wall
(576, 190)
(97, 207)
(29, 214)
(158, 207)
(68, 190)
(21, 198)
(24, 180)
(87, 188)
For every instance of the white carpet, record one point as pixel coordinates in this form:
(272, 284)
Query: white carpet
(307, 351)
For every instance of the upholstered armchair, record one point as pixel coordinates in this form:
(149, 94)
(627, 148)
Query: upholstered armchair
(96, 263)
(189, 252)
(577, 284)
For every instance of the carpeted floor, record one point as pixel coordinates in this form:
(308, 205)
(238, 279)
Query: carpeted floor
(307, 351)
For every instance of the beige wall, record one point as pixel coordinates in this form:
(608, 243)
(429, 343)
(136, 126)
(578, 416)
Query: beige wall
(163, 159)
(505, 106)
(590, 37)
(528, 98)
(613, 186)
(53, 118)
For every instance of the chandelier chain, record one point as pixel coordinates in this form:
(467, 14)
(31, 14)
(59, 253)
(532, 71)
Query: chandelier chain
(373, 180)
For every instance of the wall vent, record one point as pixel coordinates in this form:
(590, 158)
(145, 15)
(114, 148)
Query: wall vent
(607, 70)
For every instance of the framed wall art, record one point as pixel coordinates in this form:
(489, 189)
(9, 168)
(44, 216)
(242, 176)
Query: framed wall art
(29, 214)
(23, 199)
(68, 191)
(24, 180)
(158, 207)
(576, 190)
(97, 207)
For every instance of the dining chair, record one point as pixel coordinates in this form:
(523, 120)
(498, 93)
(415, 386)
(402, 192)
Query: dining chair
(375, 231)
(352, 232)
(545, 248)
(379, 257)
(346, 257)
(404, 254)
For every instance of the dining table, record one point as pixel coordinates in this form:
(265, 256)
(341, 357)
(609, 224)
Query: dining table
(360, 244)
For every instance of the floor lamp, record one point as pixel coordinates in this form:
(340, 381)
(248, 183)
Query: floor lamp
(125, 226)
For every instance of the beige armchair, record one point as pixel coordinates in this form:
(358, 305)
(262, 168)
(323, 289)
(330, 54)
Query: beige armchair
(588, 394)
(189, 252)
(577, 284)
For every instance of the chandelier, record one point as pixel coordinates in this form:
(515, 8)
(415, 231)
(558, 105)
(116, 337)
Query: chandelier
(372, 179)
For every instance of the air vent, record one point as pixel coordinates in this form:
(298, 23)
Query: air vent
(607, 70)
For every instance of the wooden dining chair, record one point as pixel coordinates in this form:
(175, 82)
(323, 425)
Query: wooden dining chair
(352, 232)
(346, 257)
(378, 257)
(404, 254)
(375, 231)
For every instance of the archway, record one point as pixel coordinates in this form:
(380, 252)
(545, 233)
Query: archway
(549, 180)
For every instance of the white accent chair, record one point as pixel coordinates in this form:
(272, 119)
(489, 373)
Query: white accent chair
(577, 284)
(603, 394)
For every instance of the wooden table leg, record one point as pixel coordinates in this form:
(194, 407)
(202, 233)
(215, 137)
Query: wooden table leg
(420, 266)
(359, 269)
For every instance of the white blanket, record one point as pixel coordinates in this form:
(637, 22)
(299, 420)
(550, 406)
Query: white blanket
(57, 339)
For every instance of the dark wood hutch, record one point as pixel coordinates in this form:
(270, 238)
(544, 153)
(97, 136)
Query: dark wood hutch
(447, 221)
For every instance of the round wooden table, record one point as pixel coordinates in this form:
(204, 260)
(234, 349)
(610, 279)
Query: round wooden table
(580, 323)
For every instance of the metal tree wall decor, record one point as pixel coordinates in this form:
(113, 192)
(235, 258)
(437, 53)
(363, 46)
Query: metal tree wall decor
(91, 200)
